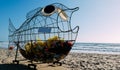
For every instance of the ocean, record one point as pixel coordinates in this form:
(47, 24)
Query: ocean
(102, 48)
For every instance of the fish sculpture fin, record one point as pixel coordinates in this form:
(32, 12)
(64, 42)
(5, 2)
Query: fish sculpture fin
(11, 26)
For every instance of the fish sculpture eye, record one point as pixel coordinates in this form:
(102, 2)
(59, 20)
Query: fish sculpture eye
(48, 10)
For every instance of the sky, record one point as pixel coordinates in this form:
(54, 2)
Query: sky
(99, 20)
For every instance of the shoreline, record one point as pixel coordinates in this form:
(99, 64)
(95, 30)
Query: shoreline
(74, 61)
(81, 51)
(97, 52)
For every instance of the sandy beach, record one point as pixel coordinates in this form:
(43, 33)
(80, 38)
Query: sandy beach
(92, 61)
(74, 61)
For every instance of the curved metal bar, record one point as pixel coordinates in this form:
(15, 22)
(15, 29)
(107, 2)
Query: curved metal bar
(76, 28)
(69, 22)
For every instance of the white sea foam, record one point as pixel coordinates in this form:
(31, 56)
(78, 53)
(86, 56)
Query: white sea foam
(4, 44)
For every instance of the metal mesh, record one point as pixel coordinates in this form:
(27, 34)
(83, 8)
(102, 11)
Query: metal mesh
(37, 24)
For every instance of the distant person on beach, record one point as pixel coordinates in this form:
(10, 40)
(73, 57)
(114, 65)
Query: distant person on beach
(10, 50)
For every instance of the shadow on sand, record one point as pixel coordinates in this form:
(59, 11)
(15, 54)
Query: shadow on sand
(14, 67)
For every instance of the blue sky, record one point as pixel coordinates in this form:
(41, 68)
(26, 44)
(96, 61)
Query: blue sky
(99, 20)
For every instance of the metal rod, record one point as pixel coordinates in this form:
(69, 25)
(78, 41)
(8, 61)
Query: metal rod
(17, 44)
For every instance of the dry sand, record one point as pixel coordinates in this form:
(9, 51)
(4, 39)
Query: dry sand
(6, 63)
(74, 61)
(92, 61)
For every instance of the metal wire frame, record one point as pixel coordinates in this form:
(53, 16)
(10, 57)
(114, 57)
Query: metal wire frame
(35, 19)
(28, 29)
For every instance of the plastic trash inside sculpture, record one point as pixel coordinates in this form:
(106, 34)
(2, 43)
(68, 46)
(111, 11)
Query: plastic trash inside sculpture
(46, 35)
